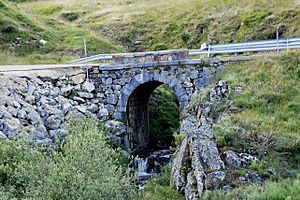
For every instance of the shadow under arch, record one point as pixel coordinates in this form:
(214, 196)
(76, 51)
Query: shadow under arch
(133, 105)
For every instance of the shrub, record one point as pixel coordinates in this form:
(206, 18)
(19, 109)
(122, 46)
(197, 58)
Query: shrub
(83, 166)
(159, 188)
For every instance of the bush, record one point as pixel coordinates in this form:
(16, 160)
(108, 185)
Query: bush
(159, 188)
(282, 190)
(84, 166)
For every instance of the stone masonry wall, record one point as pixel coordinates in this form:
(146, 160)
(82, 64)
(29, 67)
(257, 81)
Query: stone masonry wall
(42, 105)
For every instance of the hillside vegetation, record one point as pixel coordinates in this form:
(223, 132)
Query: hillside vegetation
(21, 34)
(137, 25)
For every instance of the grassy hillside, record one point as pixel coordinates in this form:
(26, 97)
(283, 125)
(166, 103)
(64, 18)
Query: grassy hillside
(21, 34)
(144, 24)
(265, 121)
(137, 25)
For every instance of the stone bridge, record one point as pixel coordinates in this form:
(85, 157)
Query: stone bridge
(119, 91)
(126, 86)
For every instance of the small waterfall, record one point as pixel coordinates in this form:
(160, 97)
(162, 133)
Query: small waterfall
(142, 166)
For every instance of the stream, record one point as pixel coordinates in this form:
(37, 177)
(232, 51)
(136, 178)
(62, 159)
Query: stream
(147, 165)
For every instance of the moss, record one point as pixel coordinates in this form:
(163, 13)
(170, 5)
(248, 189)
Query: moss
(48, 10)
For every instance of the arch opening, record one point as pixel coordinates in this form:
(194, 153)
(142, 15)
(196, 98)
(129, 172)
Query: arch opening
(147, 126)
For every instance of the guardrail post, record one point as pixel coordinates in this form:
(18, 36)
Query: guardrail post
(277, 39)
(208, 52)
(85, 55)
(287, 44)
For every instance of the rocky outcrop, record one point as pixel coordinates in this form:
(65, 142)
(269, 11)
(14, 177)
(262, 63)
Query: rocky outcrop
(198, 165)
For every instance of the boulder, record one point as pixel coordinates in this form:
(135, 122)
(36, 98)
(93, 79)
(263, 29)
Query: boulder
(93, 108)
(232, 159)
(82, 109)
(34, 117)
(103, 112)
(52, 122)
(13, 111)
(79, 78)
(85, 95)
(88, 87)
(66, 91)
(39, 133)
(116, 127)
(22, 114)
(214, 179)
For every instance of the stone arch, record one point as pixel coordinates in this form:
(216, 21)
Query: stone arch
(163, 78)
(132, 105)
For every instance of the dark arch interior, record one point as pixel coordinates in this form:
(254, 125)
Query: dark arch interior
(139, 136)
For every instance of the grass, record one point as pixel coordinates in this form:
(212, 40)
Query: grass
(267, 125)
(137, 25)
(27, 29)
(270, 98)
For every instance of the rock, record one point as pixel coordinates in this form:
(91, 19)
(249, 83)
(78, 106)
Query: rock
(16, 104)
(5, 92)
(1, 114)
(34, 117)
(116, 127)
(45, 142)
(12, 111)
(79, 100)
(255, 178)
(54, 92)
(11, 125)
(220, 91)
(247, 159)
(108, 81)
(208, 153)
(241, 179)
(85, 95)
(30, 99)
(31, 89)
(88, 87)
(112, 99)
(93, 108)
(66, 91)
(52, 123)
(189, 188)
(43, 42)
(238, 89)
(103, 112)
(214, 179)
(82, 109)
(66, 107)
(39, 133)
(226, 188)
(78, 79)
(178, 178)
(232, 159)
(59, 114)
(58, 134)
(2, 135)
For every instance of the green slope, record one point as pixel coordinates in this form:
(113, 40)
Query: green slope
(138, 25)
(21, 34)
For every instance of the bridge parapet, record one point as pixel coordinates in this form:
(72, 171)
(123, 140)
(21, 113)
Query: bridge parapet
(144, 57)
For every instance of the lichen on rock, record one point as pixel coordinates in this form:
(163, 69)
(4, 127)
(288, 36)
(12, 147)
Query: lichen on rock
(198, 166)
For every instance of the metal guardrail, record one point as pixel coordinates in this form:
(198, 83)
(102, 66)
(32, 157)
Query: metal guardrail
(243, 47)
